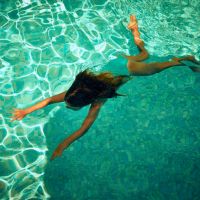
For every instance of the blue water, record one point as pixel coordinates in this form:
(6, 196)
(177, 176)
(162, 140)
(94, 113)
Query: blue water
(142, 146)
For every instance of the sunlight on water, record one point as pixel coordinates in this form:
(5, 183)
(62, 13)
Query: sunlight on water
(45, 43)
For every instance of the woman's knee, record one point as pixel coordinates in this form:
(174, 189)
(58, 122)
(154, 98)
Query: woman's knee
(143, 51)
(144, 54)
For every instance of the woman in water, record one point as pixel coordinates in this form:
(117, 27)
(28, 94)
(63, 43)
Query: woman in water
(94, 89)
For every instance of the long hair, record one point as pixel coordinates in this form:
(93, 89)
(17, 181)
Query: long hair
(89, 87)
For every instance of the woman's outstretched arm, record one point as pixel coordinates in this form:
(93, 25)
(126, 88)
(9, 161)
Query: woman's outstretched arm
(92, 115)
(19, 114)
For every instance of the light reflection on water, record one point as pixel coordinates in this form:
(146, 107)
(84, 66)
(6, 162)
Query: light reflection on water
(44, 44)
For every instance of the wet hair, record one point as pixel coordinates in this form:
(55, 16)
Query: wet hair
(89, 87)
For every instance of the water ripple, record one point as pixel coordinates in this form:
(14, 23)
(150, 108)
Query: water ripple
(44, 45)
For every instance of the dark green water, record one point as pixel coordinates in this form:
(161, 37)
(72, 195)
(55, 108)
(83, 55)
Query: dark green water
(142, 146)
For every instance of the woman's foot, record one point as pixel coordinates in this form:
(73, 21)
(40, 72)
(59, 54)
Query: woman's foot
(190, 58)
(133, 23)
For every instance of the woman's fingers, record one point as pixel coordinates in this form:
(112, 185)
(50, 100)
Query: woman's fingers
(17, 114)
(13, 119)
(16, 110)
(56, 153)
(52, 157)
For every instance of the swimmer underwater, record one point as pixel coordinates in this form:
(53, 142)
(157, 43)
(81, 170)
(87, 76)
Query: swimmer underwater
(94, 89)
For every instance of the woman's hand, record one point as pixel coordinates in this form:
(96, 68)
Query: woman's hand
(58, 151)
(92, 115)
(18, 114)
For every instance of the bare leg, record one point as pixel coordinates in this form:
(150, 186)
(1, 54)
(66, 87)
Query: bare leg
(133, 26)
(145, 69)
(138, 68)
(160, 66)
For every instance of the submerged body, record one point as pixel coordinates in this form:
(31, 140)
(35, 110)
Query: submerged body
(94, 90)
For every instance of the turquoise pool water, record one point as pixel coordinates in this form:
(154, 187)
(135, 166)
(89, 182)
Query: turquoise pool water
(143, 146)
